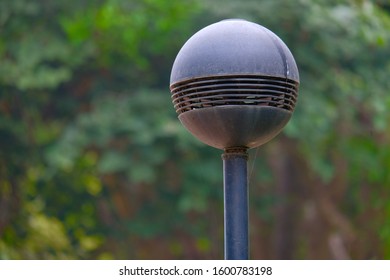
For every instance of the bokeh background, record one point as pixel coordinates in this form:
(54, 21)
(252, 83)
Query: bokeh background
(94, 163)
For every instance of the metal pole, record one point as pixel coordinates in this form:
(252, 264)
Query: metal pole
(236, 204)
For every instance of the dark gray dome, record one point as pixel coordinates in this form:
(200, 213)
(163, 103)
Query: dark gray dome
(234, 47)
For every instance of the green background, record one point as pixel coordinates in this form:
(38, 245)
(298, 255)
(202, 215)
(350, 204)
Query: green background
(94, 163)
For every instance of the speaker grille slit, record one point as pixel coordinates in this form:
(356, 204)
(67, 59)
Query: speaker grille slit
(250, 90)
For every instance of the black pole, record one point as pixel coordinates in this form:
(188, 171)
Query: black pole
(236, 204)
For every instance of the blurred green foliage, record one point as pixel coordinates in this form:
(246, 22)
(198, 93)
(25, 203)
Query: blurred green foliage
(95, 164)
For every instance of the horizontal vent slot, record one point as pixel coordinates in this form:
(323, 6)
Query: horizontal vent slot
(234, 90)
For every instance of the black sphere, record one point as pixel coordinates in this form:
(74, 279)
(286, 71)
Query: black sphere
(234, 84)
